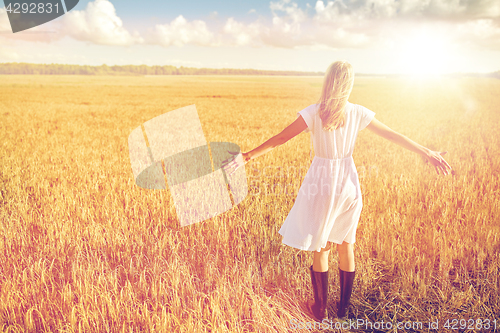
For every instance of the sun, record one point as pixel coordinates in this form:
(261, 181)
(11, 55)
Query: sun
(425, 54)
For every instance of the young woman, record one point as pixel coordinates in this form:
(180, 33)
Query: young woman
(328, 205)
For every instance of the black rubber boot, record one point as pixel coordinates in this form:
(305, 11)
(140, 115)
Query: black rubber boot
(346, 282)
(320, 287)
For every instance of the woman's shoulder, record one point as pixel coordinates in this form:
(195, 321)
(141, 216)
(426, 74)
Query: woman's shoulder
(362, 114)
(311, 109)
(352, 107)
(355, 107)
(349, 107)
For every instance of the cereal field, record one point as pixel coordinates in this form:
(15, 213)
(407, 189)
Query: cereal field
(83, 249)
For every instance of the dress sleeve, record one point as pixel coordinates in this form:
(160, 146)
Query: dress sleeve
(308, 115)
(366, 117)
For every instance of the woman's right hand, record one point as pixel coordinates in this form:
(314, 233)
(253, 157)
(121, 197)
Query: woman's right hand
(439, 163)
(232, 164)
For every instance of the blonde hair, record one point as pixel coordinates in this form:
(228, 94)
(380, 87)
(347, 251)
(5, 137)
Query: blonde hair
(337, 86)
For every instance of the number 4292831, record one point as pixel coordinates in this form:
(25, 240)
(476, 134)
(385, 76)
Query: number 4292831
(32, 8)
(471, 324)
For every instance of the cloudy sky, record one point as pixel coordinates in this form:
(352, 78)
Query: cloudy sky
(376, 36)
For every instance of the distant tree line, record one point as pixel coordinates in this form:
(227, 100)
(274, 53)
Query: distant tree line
(58, 69)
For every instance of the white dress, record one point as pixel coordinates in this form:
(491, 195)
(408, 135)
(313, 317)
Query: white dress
(328, 205)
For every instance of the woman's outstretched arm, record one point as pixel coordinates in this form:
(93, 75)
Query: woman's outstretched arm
(289, 132)
(434, 157)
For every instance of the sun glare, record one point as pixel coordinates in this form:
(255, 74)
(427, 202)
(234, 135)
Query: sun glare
(425, 54)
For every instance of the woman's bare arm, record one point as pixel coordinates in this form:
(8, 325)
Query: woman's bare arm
(434, 157)
(289, 132)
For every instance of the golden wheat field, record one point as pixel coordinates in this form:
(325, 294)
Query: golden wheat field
(83, 249)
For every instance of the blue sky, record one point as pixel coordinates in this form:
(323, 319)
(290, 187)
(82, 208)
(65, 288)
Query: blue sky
(191, 10)
(376, 36)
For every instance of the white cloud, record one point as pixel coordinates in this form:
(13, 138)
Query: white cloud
(426, 9)
(482, 32)
(321, 24)
(485, 8)
(333, 11)
(284, 31)
(243, 34)
(291, 27)
(288, 25)
(292, 10)
(483, 28)
(180, 32)
(369, 23)
(98, 24)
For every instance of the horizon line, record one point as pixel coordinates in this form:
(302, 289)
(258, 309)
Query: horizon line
(300, 72)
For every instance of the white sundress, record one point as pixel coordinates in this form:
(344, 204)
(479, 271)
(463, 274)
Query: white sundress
(328, 205)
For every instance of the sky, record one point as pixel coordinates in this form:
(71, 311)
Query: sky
(375, 36)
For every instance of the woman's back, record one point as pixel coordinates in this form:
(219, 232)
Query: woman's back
(338, 143)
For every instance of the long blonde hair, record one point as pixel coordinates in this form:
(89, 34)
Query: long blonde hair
(337, 87)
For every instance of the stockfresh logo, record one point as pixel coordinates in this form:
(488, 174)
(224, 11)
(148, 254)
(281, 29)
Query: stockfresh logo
(25, 15)
(170, 150)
